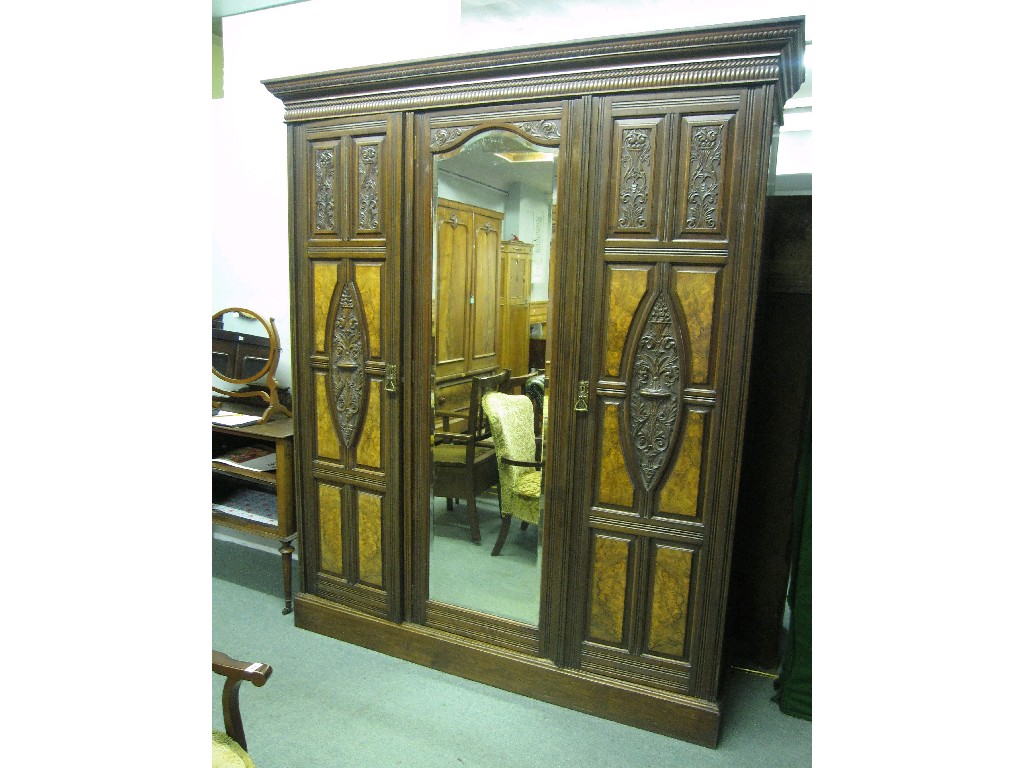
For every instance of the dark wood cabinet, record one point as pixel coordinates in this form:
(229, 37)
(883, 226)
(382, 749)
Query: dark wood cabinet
(662, 146)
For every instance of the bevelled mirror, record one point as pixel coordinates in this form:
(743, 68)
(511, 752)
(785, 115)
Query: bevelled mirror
(494, 203)
(246, 350)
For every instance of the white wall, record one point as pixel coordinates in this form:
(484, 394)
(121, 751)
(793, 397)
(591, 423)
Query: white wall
(250, 198)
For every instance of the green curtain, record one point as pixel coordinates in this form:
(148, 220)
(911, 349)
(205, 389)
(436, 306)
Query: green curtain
(794, 683)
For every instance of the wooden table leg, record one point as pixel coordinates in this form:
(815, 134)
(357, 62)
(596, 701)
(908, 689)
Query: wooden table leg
(286, 551)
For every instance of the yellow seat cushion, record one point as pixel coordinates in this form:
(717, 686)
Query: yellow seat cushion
(228, 754)
(528, 485)
(456, 454)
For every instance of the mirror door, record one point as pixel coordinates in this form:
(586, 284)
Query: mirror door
(483, 326)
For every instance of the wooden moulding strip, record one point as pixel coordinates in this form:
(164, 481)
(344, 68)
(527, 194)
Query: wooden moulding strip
(677, 716)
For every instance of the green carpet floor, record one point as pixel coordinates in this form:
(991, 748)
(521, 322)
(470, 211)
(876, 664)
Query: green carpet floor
(330, 704)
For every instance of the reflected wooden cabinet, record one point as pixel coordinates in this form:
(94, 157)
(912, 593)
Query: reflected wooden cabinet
(466, 307)
(514, 307)
(662, 146)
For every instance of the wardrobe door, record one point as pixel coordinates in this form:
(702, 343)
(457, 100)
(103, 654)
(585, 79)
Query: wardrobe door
(514, 292)
(468, 240)
(484, 296)
(345, 278)
(671, 258)
(452, 310)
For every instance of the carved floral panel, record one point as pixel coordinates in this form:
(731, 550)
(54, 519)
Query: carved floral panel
(348, 355)
(654, 403)
(703, 194)
(545, 130)
(324, 181)
(368, 182)
(635, 179)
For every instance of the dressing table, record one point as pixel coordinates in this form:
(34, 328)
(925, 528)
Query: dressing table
(253, 489)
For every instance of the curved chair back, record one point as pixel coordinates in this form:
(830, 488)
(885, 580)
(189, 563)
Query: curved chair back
(511, 419)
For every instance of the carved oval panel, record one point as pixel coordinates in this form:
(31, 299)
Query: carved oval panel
(654, 401)
(348, 357)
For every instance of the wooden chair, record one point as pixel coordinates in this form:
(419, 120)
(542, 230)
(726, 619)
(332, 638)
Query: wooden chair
(463, 466)
(230, 749)
(520, 472)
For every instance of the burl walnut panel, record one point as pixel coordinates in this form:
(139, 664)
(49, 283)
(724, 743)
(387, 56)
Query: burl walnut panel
(368, 278)
(670, 597)
(331, 548)
(615, 487)
(368, 455)
(370, 562)
(696, 290)
(626, 286)
(681, 493)
(325, 278)
(327, 444)
(610, 565)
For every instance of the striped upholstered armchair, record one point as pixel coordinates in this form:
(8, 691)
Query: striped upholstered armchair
(519, 473)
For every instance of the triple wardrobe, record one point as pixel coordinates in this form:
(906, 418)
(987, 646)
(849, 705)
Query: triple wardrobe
(577, 226)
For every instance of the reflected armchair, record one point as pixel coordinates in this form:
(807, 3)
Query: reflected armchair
(230, 749)
(519, 472)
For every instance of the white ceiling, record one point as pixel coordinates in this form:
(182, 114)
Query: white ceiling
(573, 19)
(222, 8)
(498, 13)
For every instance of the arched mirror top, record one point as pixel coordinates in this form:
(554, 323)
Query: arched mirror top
(498, 157)
(545, 132)
(246, 350)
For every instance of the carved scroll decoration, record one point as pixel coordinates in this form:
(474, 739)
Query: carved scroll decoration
(441, 137)
(324, 173)
(347, 363)
(634, 179)
(705, 177)
(546, 130)
(542, 130)
(655, 396)
(368, 192)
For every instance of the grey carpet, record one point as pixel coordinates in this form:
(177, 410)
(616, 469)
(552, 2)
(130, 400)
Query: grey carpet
(331, 704)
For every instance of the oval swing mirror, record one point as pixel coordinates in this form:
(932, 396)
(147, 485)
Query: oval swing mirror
(246, 349)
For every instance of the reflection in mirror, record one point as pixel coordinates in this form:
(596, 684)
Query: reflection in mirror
(241, 346)
(494, 203)
(246, 349)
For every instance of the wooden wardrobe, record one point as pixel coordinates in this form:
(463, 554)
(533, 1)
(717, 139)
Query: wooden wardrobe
(663, 144)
